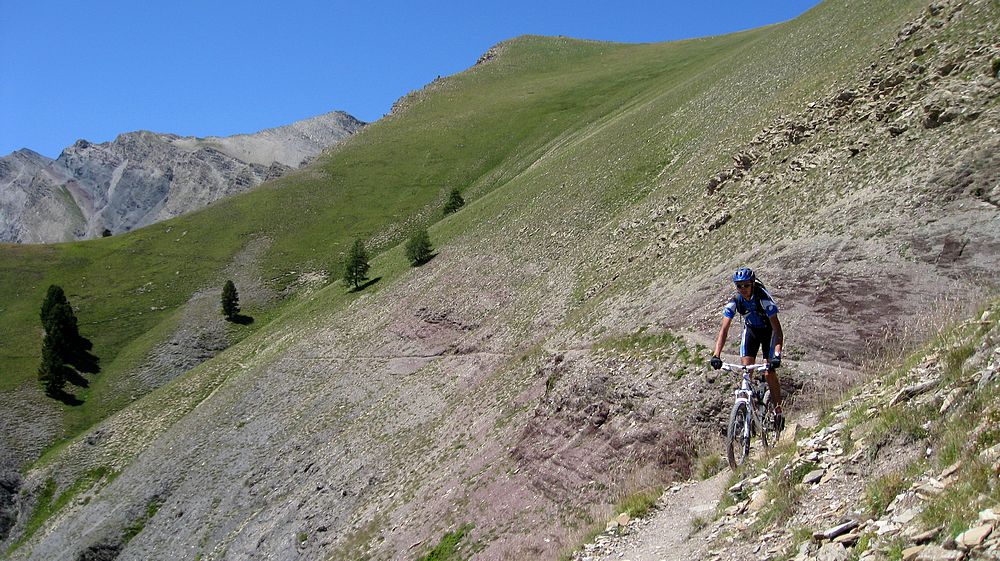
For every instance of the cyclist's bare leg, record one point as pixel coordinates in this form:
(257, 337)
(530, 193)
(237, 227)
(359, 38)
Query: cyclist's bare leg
(772, 383)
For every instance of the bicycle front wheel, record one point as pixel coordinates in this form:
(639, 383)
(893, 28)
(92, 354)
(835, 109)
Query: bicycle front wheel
(768, 424)
(738, 436)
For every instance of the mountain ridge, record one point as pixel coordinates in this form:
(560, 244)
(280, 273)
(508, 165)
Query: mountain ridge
(143, 177)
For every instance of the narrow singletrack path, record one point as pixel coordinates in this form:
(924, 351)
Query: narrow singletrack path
(667, 536)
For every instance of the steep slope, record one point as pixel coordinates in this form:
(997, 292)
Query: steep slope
(132, 291)
(142, 177)
(533, 372)
(904, 467)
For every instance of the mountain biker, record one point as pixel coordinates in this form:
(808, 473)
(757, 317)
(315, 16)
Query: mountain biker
(761, 330)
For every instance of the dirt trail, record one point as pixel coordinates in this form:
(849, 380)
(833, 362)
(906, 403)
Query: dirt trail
(670, 533)
(667, 535)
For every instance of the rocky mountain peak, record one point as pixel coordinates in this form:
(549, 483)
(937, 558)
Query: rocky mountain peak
(28, 155)
(142, 177)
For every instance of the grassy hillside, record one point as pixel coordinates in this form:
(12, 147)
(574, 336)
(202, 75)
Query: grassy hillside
(476, 132)
(491, 386)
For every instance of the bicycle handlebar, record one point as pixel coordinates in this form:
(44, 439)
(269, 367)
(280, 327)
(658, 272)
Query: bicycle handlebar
(746, 369)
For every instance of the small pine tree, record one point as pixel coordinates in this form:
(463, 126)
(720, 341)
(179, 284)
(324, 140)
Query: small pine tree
(51, 372)
(230, 301)
(54, 297)
(62, 338)
(64, 331)
(418, 249)
(60, 325)
(455, 202)
(356, 270)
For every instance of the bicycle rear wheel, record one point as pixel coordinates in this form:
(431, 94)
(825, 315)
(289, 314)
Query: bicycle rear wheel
(738, 436)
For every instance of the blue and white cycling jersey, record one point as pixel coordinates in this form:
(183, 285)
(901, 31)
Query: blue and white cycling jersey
(756, 311)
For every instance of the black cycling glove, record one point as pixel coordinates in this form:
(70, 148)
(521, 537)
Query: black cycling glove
(776, 361)
(716, 362)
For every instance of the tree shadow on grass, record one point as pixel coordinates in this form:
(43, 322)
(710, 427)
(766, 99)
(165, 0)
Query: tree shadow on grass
(366, 285)
(84, 362)
(75, 378)
(241, 319)
(425, 261)
(65, 397)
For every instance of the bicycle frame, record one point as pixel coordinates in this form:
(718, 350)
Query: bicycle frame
(745, 397)
(745, 392)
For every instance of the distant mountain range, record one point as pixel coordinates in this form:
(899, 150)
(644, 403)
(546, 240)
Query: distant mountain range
(144, 177)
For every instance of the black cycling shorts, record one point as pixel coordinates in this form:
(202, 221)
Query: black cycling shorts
(754, 339)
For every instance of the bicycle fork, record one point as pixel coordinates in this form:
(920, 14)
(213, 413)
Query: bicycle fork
(742, 397)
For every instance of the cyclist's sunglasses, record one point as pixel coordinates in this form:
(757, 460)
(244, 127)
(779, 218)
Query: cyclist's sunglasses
(744, 285)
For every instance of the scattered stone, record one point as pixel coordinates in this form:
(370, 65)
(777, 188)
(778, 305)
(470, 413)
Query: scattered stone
(719, 221)
(906, 516)
(950, 470)
(838, 530)
(973, 536)
(848, 539)
(832, 552)
(910, 553)
(790, 434)
(623, 519)
(758, 501)
(939, 109)
(926, 537)
(938, 553)
(813, 476)
(743, 160)
(950, 400)
(897, 129)
(930, 488)
(910, 392)
(846, 97)
(990, 454)
(737, 509)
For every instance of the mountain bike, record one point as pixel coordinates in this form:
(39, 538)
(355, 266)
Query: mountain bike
(752, 415)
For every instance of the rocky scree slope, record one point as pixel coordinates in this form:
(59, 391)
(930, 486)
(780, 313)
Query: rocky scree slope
(143, 177)
(538, 368)
(906, 467)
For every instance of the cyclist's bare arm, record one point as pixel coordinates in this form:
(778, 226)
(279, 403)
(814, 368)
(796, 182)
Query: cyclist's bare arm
(720, 341)
(778, 336)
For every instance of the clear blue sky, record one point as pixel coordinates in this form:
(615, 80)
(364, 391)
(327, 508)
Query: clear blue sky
(72, 69)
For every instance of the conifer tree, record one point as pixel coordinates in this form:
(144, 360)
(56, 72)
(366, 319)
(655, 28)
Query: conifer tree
(59, 323)
(62, 342)
(64, 331)
(455, 202)
(54, 297)
(418, 249)
(230, 301)
(356, 270)
(51, 372)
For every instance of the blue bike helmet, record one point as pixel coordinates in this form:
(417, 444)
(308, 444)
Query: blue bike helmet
(744, 274)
